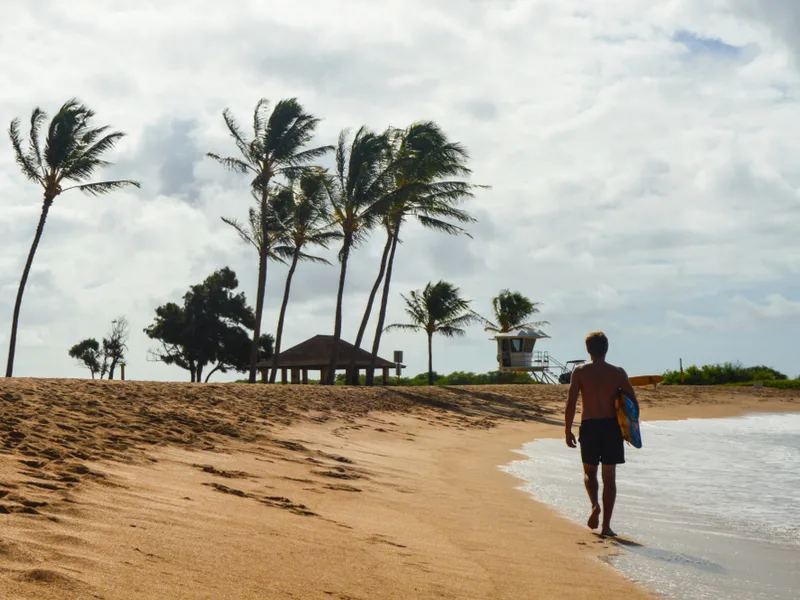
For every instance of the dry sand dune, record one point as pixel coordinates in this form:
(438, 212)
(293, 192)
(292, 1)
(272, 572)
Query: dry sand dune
(123, 490)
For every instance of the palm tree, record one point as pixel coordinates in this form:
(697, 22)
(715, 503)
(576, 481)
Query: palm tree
(73, 151)
(277, 148)
(358, 196)
(304, 210)
(375, 286)
(437, 309)
(252, 232)
(511, 311)
(426, 186)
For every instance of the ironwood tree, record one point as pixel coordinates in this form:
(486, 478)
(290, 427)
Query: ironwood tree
(115, 345)
(211, 327)
(87, 353)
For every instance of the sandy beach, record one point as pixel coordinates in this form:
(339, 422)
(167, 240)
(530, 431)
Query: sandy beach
(123, 490)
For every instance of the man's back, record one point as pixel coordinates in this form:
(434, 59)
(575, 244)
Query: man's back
(600, 436)
(599, 383)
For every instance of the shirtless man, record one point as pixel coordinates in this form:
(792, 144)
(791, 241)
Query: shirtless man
(598, 383)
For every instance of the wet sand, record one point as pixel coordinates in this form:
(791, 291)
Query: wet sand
(123, 490)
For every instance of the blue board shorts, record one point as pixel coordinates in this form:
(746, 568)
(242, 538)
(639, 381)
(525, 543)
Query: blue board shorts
(601, 442)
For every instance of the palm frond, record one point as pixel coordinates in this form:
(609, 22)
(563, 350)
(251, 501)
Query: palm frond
(282, 252)
(323, 238)
(237, 135)
(258, 120)
(440, 225)
(289, 128)
(307, 156)
(26, 164)
(103, 187)
(532, 324)
(83, 164)
(450, 331)
(402, 327)
(314, 259)
(459, 320)
(232, 164)
(65, 134)
(245, 235)
(38, 116)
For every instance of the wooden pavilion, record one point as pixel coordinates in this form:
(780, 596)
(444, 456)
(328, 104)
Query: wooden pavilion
(315, 354)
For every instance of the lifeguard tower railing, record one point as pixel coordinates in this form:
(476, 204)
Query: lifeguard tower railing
(542, 367)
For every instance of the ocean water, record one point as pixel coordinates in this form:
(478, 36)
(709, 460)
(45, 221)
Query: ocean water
(712, 504)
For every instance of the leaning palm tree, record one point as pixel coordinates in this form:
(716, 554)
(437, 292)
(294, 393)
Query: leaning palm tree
(439, 308)
(362, 329)
(359, 200)
(512, 311)
(73, 151)
(427, 185)
(276, 148)
(305, 212)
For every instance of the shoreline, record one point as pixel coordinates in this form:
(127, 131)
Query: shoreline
(662, 413)
(217, 491)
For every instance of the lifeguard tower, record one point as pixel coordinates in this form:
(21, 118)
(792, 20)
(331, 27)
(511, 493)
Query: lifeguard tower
(516, 354)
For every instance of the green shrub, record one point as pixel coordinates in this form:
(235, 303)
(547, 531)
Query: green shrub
(725, 373)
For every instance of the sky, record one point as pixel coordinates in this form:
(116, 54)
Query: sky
(642, 158)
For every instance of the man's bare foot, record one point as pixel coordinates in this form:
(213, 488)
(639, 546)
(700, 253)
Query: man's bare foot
(607, 531)
(594, 518)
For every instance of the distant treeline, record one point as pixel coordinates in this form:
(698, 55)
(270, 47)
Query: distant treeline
(730, 373)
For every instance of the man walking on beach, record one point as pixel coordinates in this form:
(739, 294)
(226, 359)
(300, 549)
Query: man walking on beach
(598, 384)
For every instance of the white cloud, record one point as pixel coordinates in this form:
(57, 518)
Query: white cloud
(638, 182)
(776, 309)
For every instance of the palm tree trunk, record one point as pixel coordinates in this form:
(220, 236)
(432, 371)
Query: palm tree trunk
(430, 358)
(337, 327)
(262, 285)
(279, 334)
(368, 311)
(12, 346)
(376, 341)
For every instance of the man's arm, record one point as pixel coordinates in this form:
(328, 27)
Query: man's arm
(628, 388)
(572, 405)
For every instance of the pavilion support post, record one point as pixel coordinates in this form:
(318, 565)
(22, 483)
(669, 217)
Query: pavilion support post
(263, 375)
(305, 376)
(385, 375)
(295, 375)
(284, 378)
(323, 375)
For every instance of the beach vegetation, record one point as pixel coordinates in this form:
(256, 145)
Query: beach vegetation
(439, 308)
(72, 152)
(427, 184)
(303, 209)
(278, 146)
(359, 200)
(87, 353)
(210, 328)
(512, 311)
(724, 373)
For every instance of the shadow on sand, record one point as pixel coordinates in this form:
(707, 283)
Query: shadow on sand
(677, 558)
(475, 403)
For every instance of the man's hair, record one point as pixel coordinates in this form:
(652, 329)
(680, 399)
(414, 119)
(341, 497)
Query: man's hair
(597, 344)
